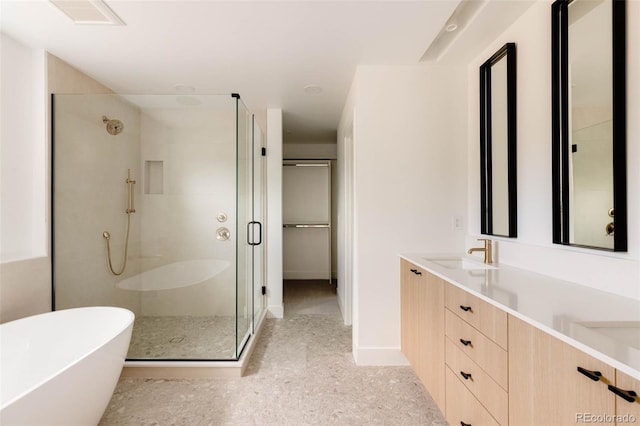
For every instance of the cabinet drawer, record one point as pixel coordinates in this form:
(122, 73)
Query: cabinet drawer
(462, 407)
(478, 382)
(491, 321)
(483, 351)
(626, 407)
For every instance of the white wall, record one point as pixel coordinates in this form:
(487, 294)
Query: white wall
(410, 177)
(613, 272)
(25, 285)
(22, 153)
(307, 151)
(343, 195)
(274, 213)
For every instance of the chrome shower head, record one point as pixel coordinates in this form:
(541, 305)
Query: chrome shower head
(114, 127)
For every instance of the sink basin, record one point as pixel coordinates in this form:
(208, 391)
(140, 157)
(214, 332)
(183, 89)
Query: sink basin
(459, 262)
(627, 332)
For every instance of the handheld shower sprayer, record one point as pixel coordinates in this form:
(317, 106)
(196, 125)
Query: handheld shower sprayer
(107, 236)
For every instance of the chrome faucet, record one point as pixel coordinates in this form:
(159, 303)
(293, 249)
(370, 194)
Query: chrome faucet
(488, 258)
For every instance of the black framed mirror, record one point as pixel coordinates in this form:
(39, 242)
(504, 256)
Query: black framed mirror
(589, 124)
(498, 181)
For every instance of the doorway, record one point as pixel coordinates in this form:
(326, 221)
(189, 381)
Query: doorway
(307, 227)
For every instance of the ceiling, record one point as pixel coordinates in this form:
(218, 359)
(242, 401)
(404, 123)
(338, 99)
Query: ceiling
(267, 51)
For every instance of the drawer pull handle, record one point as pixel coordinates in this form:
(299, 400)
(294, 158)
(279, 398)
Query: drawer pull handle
(627, 395)
(466, 308)
(593, 375)
(464, 424)
(465, 342)
(466, 376)
(415, 271)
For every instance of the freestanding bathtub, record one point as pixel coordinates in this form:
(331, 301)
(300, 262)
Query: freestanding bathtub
(60, 368)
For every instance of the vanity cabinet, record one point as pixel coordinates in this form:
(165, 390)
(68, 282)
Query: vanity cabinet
(626, 408)
(422, 327)
(545, 386)
(476, 360)
(483, 366)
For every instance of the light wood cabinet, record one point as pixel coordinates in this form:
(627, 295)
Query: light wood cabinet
(408, 312)
(489, 320)
(462, 407)
(489, 393)
(422, 327)
(626, 409)
(476, 358)
(483, 366)
(545, 386)
(482, 350)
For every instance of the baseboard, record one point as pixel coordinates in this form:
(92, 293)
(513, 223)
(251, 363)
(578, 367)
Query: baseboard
(370, 356)
(218, 371)
(343, 311)
(275, 311)
(305, 275)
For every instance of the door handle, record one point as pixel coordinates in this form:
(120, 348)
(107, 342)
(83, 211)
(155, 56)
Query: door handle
(466, 376)
(250, 241)
(593, 375)
(627, 395)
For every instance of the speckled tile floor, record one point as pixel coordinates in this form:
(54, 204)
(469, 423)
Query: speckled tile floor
(301, 373)
(184, 337)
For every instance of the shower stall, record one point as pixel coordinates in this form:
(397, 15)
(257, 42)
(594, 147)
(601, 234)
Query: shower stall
(157, 207)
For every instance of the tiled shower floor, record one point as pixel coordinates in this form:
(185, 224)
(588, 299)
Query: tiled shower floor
(184, 337)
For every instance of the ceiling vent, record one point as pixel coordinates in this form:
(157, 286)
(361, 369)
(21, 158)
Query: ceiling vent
(88, 12)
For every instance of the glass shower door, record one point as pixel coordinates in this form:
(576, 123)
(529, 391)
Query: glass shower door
(259, 213)
(244, 314)
(188, 223)
(173, 188)
(250, 300)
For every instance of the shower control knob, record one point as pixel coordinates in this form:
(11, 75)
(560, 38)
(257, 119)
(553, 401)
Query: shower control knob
(609, 229)
(223, 234)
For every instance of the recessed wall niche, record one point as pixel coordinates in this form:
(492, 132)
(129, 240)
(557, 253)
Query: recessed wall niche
(153, 177)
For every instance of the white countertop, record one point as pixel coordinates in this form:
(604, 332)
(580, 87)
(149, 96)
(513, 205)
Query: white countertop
(562, 309)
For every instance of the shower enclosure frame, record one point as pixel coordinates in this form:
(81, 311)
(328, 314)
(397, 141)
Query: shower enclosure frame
(257, 300)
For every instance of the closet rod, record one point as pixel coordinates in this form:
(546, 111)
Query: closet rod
(304, 225)
(305, 165)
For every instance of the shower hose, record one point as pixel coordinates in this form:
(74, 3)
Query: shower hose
(107, 237)
(130, 182)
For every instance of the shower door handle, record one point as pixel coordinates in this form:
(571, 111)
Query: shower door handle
(250, 240)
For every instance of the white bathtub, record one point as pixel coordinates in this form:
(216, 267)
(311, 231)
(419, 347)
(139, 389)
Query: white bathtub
(175, 275)
(60, 368)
